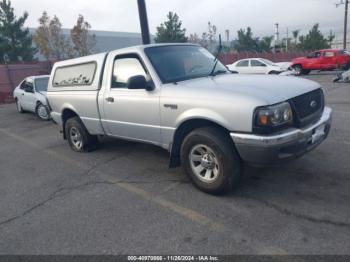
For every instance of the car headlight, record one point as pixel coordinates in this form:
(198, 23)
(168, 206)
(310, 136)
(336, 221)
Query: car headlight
(274, 116)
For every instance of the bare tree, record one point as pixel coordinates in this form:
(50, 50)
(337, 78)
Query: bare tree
(50, 40)
(83, 42)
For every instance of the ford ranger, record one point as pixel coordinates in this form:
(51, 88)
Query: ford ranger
(181, 98)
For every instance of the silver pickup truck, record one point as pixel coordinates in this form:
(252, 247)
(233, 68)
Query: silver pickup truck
(179, 97)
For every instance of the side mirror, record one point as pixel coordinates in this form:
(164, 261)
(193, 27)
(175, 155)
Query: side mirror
(139, 82)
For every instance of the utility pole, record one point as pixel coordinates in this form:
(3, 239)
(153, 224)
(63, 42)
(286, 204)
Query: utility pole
(287, 40)
(277, 37)
(345, 20)
(144, 22)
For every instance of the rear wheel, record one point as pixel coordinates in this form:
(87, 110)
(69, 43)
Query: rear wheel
(78, 137)
(19, 107)
(210, 160)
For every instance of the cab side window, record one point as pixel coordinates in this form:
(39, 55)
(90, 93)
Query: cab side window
(126, 67)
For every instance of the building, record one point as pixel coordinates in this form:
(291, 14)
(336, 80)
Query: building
(107, 40)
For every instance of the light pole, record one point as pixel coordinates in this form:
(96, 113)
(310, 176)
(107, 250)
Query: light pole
(144, 22)
(345, 20)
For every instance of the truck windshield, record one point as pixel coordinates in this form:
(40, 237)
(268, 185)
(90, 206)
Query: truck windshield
(182, 62)
(41, 84)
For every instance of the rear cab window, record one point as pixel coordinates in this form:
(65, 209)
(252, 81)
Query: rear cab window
(75, 75)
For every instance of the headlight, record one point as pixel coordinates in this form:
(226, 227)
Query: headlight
(274, 116)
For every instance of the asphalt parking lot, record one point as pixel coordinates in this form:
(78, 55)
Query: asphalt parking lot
(123, 199)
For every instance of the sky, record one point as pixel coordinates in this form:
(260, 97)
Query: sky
(260, 15)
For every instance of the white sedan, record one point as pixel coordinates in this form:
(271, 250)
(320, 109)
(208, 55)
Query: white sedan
(30, 95)
(259, 66)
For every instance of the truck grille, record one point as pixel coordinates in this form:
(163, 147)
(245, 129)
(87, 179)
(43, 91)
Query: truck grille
(308, 107)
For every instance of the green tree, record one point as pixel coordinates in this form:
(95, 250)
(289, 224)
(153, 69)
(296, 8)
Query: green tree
(245, 41)
(83, 42)
(171, 31)
(264, 44)
(15, 40)
(314, 40)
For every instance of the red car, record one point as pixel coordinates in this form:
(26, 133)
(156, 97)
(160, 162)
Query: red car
(327, 59)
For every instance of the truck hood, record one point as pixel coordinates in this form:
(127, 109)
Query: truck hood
(267, 89)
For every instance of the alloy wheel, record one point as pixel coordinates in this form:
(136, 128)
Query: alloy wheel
(204, 163)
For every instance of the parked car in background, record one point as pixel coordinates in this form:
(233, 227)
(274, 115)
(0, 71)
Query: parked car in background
(327, 59)
(178, 97)
(258, 66)
(30, 95)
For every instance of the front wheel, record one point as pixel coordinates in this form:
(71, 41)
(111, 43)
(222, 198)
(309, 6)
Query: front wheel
(298, 70)
(210, 160)
(78, 137)
(42, 112)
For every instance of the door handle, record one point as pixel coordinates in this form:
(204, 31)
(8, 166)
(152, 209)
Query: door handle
(110, 99)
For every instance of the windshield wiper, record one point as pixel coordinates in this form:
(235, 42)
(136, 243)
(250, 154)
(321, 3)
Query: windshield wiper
(212, 73)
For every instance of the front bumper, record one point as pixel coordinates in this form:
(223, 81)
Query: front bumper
(292, 143)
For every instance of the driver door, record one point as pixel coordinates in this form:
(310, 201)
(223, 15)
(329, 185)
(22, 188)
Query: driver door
(28, 98)
(131, 113)
(313, 61)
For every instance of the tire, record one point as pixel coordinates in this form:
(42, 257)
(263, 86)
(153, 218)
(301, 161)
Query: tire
(298, 70)
(78, 137)
(42, 112)
(211, 149)
(346, 67)
(19, 107)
